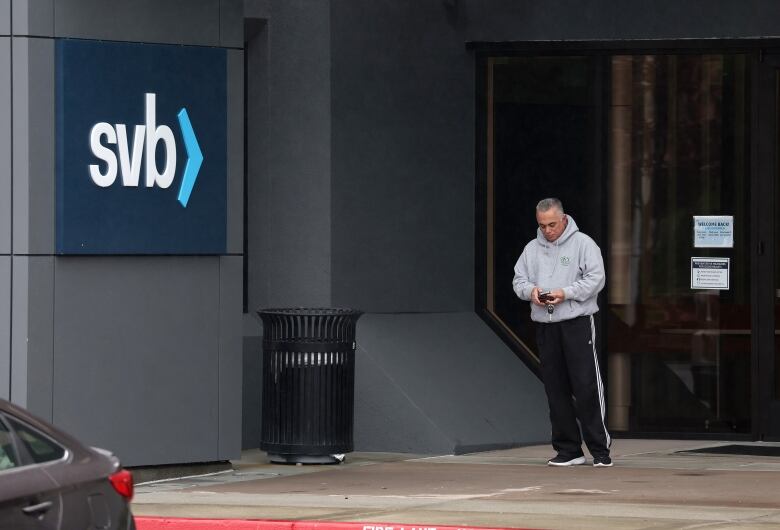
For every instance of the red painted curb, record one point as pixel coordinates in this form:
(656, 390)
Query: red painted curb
(181, 523)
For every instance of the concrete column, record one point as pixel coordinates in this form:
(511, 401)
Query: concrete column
(289, 177)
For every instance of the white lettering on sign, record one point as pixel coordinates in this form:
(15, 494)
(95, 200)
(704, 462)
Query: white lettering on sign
(154, 135)
(144, 136)
(103, 153)
(130, 165)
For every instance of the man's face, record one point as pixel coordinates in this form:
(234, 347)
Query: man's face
(552, 223)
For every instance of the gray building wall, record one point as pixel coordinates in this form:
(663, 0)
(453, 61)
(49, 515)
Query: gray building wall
(5, 146)
(288, 185)
(153, 341)
(403, 158)
(401, 177)
(5, 326)
(5, 17)
(32, 347)
(442, 383)
(5, 198)
(360, 193)
(33, 146)
(154, 363)
(432, 378)
(289, 154)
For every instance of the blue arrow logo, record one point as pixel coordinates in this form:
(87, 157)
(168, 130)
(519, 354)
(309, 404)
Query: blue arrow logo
(194, 161)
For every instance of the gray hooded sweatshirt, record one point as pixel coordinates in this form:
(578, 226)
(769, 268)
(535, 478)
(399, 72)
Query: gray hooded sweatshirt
(572, 262)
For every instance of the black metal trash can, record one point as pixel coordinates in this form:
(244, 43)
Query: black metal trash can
(308, 384)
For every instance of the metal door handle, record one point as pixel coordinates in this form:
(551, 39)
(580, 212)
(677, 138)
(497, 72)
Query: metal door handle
(37, 509)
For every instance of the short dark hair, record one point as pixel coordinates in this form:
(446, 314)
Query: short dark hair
(548, 204)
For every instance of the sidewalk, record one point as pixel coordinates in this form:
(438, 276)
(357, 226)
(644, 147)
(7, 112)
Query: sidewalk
(652, 485)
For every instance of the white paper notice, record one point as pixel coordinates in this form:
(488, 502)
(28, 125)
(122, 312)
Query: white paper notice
(710, 273)
(713, 231)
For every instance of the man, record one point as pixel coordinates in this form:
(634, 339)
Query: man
(561, 272)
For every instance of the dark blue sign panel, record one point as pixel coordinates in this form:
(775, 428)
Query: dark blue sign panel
(141, 148)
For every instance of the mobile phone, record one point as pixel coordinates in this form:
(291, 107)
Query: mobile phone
(545, 296)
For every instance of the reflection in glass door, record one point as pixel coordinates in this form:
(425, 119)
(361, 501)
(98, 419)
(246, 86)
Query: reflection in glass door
(542, 140)
(679, 357)
(774, 431)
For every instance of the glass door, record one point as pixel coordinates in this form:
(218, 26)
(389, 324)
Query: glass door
(767, 211)
(679, 348)
(641, 147)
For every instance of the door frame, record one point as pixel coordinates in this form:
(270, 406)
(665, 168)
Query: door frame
(766, 147)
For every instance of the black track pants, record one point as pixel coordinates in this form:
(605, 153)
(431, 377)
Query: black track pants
(572, 380)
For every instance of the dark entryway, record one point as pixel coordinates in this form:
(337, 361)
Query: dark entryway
(766, 209)
(636, 145)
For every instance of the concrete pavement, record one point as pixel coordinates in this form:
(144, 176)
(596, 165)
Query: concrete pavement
(652, 485)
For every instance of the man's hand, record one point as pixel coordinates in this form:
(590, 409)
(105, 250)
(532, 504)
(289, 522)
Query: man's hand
(535, 297)
(557, 296)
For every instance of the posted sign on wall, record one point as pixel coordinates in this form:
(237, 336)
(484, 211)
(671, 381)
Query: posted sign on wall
(141, 148)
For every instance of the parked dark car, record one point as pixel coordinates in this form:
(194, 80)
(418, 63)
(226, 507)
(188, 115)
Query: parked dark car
(50, 480)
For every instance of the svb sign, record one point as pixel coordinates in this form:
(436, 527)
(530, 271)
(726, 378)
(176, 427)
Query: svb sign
(144, 144)
(133, 177)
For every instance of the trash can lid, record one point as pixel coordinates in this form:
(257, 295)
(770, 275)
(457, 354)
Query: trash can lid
(309, 311)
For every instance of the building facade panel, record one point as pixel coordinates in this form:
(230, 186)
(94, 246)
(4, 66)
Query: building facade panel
(299, 162)
(5, 145)
(257, 9)
(230, 356)
(32, 341)
(231, 23)
(403, 163)
(33, 146)
(194, 22)
(251, 382)
(235, 152)
(415, 370)
(33, 18)
(5, 327)
(386, 419)
(137, 343)
(5, 17)
(257, 187)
